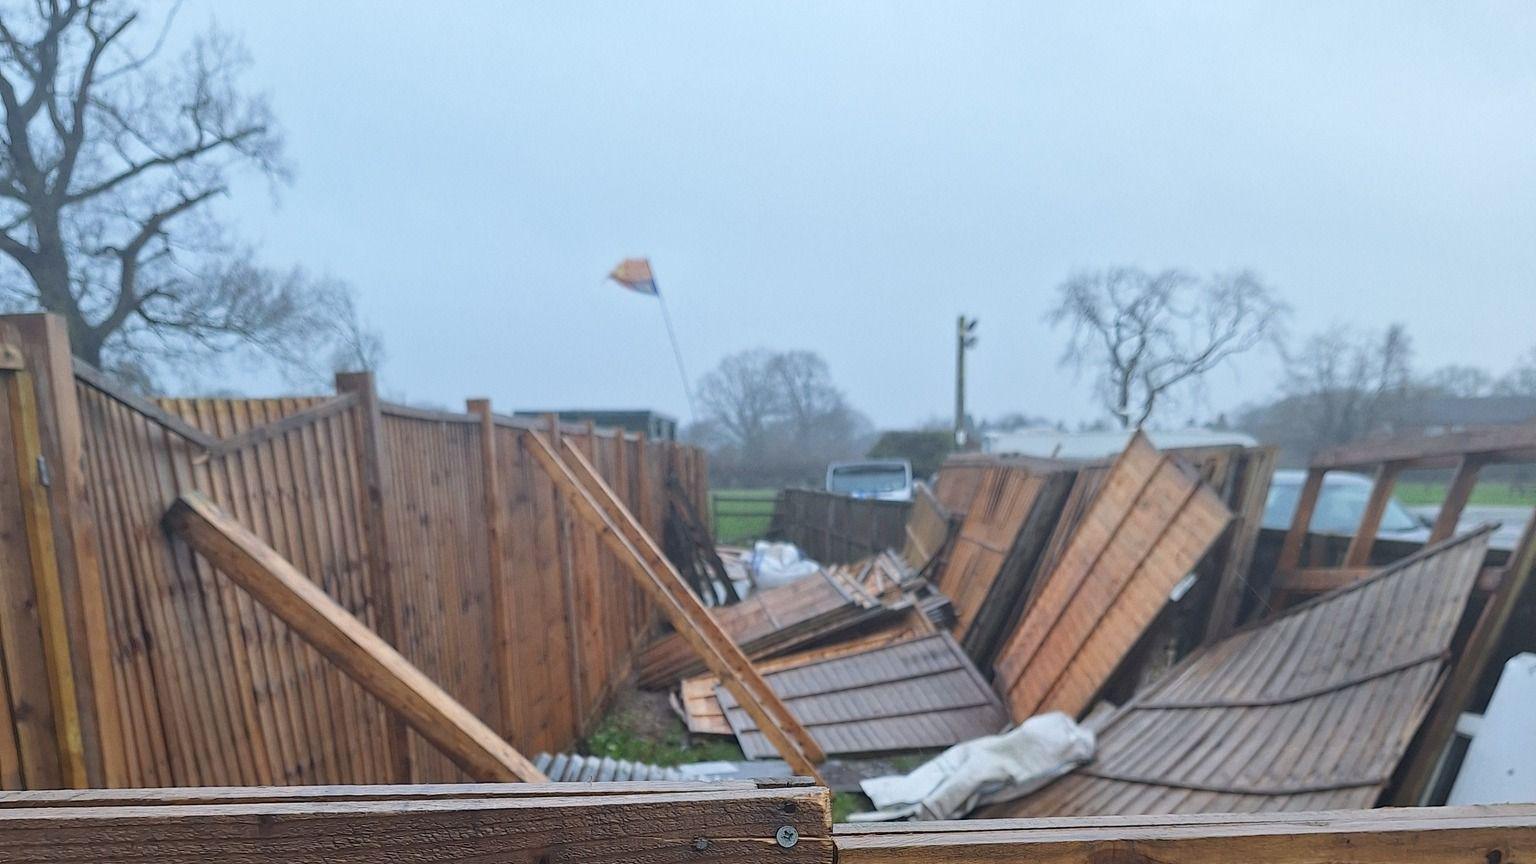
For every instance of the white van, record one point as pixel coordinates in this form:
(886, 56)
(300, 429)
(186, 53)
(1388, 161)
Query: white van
(881, 479)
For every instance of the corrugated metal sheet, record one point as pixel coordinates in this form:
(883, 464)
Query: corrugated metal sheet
(1311, 711)
(916, 694)
(574, 768)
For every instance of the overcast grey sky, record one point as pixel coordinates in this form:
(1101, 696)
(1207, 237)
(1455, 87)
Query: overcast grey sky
(847, 177)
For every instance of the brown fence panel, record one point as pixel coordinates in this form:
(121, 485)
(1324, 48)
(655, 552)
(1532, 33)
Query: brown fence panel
(212, 689)
(439, 568)
(836, 529)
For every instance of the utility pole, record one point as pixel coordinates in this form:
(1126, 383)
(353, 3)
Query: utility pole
(965, 338)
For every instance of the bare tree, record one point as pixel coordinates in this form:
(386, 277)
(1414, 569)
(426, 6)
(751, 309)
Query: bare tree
(740, 398)
(1145, 334)
(109, 163)
(356, 346)
(1344, 384)
(1460, 380)
(775, 417)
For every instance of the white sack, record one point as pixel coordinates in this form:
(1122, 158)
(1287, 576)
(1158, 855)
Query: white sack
(775, 564)
(982, 771)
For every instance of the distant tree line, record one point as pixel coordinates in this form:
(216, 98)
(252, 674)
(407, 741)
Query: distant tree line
(1143, 340)
(1347, 383)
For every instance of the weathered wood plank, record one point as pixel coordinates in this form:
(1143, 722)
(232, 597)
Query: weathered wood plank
(92, 376)
(292, 422)
(1506, 443)
(1431, 835)
(610, 822)
(1359, 551)
(1456, 497)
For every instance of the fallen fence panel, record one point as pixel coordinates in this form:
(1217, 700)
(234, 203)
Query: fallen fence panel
(1311, 710)
(1147, 527)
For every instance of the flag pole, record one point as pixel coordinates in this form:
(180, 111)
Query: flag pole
(677, 352)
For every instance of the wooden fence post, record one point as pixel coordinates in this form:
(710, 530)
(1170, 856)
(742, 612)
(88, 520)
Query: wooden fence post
(501, 593)
(369, 432)
(92, 750)
(643, 490)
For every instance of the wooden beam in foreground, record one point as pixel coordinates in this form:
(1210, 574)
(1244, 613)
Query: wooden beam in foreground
(657, 823)
(47, 599)
(607, 516)
(346, 641)
(1426, 835)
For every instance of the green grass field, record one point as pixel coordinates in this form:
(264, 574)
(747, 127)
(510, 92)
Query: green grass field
(741, 515)
(1490, 493)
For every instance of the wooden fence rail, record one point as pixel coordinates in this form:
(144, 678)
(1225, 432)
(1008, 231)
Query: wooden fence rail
(723, 823)
(434, 529)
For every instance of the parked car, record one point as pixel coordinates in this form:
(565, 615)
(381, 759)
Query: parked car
(1340, 506)
(881, 479)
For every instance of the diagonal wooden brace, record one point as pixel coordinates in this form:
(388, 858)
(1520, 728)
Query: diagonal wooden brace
(607, 516)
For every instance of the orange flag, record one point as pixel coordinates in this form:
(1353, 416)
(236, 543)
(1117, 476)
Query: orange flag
(635, 274)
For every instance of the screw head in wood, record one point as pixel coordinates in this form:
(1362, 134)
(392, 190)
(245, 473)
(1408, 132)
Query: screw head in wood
(787, 836)
(701, 844)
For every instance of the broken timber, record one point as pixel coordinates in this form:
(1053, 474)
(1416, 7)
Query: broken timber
(612, 522)
(346, 641)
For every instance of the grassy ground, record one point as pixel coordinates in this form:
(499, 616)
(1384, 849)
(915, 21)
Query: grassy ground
(737, 521)
(844, 803)
(1489, 493)
(641, 727)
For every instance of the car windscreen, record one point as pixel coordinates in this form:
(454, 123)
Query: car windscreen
(868, 479)
(1339, 509)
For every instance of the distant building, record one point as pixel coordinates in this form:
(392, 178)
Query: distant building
(1437, 415)
(1052, 443)
(655, 425)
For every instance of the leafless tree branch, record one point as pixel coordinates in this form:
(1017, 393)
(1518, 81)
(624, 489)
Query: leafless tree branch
(109, 159)
(1145, 334)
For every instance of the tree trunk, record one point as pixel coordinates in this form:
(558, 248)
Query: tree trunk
(50, 272)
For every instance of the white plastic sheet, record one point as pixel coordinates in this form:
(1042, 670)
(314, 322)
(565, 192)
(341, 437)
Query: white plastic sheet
(982, 771)
(775, 564)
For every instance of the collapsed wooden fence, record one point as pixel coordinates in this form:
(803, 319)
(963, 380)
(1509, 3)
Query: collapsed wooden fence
(128, 661)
